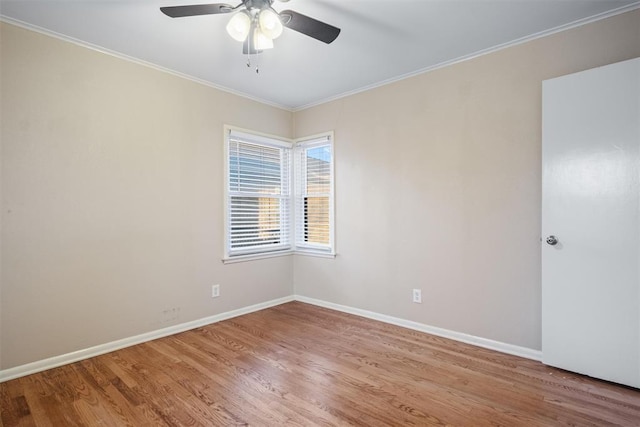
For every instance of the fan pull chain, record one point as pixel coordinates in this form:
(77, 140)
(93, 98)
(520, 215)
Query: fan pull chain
(254, 24)
(249, 63)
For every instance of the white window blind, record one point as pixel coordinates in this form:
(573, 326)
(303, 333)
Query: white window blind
(258, 201)
(314, 194)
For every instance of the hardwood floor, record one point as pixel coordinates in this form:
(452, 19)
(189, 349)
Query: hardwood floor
(297, 364)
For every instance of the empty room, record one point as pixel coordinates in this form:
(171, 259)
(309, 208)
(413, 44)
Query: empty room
(320, 212)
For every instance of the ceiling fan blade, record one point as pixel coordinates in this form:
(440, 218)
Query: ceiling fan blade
(309, 26)
(196, 9)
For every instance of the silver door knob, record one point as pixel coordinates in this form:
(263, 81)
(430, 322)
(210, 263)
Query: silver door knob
(552, 240)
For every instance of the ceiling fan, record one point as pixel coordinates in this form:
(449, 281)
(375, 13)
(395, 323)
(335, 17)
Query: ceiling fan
(257, 24)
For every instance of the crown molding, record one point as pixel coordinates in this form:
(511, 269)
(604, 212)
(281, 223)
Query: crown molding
(78, 42)
(578, 23)
(496, 48)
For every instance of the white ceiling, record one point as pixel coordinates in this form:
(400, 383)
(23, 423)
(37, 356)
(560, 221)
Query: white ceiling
(380, 40)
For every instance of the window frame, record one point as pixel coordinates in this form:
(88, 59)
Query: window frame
(292, 246)
(251, 137)
(299, 184)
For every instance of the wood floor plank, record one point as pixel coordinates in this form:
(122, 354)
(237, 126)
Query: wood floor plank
(338, 354)
(301, 365)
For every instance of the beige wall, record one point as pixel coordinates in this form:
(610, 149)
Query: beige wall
(112, 193)
(112, 190)
(438, 184)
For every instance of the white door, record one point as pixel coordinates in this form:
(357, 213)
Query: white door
(591, 204)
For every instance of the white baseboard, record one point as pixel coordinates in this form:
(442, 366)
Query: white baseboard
(64, 359)
(515, 350)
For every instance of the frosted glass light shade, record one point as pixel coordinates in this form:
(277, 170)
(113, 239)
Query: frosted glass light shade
(261, 41)
(239, 26)
(270, 23)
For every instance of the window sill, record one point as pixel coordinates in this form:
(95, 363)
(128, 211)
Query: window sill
(252, 257)
(316, 254)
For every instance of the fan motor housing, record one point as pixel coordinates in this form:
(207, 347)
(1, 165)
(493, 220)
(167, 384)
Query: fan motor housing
(257, 4)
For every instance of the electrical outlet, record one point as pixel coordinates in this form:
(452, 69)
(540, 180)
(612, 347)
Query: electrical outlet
(417, 296)
(215, 291)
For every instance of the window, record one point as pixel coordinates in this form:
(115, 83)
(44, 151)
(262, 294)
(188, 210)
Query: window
(314, 194)
(258, 196)
(263, 217)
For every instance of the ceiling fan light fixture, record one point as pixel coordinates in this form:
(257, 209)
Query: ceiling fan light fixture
(261, 41)
(270, 24)
(256, 24)
(239, 26)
